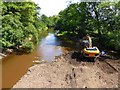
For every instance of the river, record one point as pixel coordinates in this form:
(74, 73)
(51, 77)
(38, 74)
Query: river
(15, 66)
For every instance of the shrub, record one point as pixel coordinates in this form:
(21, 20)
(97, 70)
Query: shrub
(28, 47)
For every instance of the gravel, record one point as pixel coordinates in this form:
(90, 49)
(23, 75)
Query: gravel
(66, 72)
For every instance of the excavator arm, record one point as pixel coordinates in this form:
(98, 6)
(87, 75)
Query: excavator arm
(87, 49)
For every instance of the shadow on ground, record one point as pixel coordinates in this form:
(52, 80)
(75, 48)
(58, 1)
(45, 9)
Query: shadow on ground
(79, 57)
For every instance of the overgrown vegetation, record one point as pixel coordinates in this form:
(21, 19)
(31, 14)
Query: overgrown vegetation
(99, 19)
(21, 25)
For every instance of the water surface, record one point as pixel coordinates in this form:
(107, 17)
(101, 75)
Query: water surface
(15, 66)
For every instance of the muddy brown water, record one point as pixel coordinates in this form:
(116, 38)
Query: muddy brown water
(15, 66)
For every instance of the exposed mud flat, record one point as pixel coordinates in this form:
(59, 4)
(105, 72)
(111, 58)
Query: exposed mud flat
(66, 72)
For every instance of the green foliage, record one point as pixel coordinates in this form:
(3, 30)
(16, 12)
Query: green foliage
(74, 18)
(114, 41)
(28, 47)
(49, 21)
(99, 19)
(20, 25)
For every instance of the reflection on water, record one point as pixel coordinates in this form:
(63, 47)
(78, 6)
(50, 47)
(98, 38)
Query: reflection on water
(49, 47)
(15, 66)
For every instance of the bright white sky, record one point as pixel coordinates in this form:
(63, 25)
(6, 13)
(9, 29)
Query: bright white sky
(52, 7)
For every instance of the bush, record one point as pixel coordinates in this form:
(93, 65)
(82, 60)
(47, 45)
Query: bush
(114, 41)
(28, 47)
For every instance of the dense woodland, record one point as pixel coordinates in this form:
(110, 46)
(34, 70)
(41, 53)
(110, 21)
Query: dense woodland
(99, 19)
(22, 23)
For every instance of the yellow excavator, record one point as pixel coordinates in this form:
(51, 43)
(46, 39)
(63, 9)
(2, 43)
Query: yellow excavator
(87, 49)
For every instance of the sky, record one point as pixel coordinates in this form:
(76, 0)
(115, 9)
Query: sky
(52, 7)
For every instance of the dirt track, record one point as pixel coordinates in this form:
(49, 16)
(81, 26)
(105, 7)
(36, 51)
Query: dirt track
(69, 73)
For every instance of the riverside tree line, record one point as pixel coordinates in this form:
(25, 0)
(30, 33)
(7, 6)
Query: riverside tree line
(99, 19)
(22, 23)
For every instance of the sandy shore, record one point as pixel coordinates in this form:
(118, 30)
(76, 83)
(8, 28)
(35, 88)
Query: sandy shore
(69, 73)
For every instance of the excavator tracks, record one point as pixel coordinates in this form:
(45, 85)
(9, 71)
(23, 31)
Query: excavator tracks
(107, 67)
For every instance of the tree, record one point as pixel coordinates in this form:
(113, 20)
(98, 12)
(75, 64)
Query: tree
(99, 19)
(20, 25)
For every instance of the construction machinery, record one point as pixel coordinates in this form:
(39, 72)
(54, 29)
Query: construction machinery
(87, 49)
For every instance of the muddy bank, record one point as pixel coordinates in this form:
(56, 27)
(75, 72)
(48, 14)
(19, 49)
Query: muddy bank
(2, 55)
(66, 72)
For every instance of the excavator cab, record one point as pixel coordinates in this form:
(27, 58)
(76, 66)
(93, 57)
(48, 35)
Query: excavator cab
(87, 49)
(85, 43)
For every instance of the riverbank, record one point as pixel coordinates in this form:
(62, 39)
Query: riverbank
(66, 72)
(2, 55)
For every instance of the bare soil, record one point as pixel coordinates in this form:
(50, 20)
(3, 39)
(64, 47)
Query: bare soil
(70, 72)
